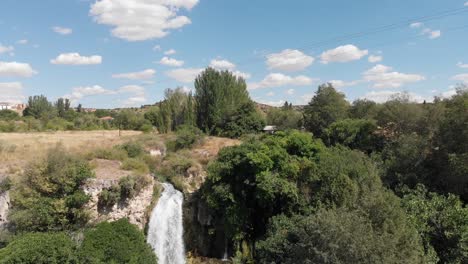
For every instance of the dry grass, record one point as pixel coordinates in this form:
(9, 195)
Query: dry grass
(32, 146)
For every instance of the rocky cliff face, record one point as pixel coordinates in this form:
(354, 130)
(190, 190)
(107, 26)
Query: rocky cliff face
(203, 235)
(135, 209)
(4, 208)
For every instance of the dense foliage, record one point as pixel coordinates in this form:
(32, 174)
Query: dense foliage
(50, 197)
(116, 242)
(223, 105)
(39, 248)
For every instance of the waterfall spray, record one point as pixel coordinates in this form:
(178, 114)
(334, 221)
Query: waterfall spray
(165, 233)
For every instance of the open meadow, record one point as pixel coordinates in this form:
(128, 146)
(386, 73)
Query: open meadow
(17, 149)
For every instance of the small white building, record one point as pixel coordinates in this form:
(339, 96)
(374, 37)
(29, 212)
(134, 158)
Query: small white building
(5, 106)
(270, 129)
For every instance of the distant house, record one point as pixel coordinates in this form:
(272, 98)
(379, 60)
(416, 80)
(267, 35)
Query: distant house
(270, 129)
(5, 106)
(107, 118)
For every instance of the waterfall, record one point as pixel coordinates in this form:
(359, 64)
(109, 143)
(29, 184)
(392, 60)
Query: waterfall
(165, 233)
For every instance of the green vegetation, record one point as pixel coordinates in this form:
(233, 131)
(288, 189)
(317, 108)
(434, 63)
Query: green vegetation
(223, 105)
(285, 117)
(127, 188)
(49, 197)
(39, 248)
(374, 183)
(117, 242)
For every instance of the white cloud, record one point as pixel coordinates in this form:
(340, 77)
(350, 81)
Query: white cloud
(222, 64)
(343, 54)
(273, 103)
(416, 25)
(22, 41)
(449, 93)
(461, 77)
(435, 34)
(157, 48)
(137, 20)
(290, 91)
(374, 58)
(137, 93)
(383, 77)
(462, 65)
(11, 92)
(85, 91)
(5, 49)
(185, 75)
(279, 79)
(243, 75)
(62, 30)
(16, 69)
(431, 34)
(76, 59)
(341, 84)
(170, 52)
(270, 94)
(134, 101)
(171, 62)
(142, 75)
(466, 4)
(383, 96)
(289, 60)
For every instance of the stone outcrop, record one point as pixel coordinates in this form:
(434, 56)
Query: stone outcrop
(203, 235)
(4, 208)
(135, 209)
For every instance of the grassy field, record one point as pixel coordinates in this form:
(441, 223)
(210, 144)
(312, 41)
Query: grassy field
(17, 149)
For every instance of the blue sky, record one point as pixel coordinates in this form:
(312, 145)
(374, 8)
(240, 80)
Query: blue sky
(114, 53)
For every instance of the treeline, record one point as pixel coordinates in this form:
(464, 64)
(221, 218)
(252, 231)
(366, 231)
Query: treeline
(364, 183)
(43, 115)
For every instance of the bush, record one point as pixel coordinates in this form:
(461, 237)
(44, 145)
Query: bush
(50, 196)
(187, 137)
(131, 186)
(133, 149)
(8, 115)
(116, 242)
(5, 185)
(108, 197)
(109, 154)
(39, 248)
(135, 165)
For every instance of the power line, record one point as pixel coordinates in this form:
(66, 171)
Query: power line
(373, 31)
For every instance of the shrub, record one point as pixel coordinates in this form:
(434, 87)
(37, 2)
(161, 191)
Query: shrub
(133, 149)
(131, 186)
(50, 196)
(5, 185)
(39, 248)
(188, 136)
(8, 115)
(135, 165)
(110, 154)
(108, 197)
(116, 242)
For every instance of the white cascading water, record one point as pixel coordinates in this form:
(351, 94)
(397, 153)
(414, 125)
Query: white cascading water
(165, 233)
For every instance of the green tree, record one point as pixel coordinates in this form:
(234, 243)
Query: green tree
(8, 115)
(354, 133)
(363, 109)
(326, 107)
(39, 248)
(60, 105)
(219, 94)
(40, 108)
(442, 223)
(50, 198)
(285, 118)
(336, 236)
(116, 242)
